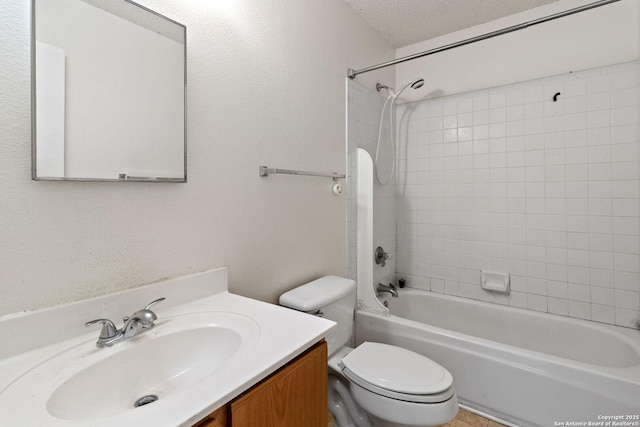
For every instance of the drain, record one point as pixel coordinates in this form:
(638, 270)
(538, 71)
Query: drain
(145, 400)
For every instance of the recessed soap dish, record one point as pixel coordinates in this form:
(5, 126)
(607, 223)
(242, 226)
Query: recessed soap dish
(494, 281)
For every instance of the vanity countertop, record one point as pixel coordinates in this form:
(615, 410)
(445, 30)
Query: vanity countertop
(31, 371)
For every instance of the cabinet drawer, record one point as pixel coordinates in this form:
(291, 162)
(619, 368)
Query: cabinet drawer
(216, 419)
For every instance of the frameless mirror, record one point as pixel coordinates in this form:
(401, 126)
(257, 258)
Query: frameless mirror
(108, 92)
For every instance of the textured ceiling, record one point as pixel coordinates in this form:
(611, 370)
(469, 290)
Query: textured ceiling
(403, 22)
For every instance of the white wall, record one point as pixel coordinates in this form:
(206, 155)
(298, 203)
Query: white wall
(600, 36)
(265, 87)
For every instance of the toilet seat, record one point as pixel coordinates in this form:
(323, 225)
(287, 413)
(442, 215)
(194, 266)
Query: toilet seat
(397, 373)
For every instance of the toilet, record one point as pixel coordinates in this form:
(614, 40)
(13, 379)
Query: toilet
(374, 384)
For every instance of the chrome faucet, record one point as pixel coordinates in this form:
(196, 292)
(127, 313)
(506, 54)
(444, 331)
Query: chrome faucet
(139, 322)
(391, 288)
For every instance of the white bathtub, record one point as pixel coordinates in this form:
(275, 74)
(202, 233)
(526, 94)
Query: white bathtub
(520, 366)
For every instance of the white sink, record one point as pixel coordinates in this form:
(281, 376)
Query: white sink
(91, 383)
(208, 347)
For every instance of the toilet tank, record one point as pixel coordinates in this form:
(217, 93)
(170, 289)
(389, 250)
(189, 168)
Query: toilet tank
(331, 297)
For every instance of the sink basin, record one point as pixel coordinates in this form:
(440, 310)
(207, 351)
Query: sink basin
(156, 367)
(90, 383)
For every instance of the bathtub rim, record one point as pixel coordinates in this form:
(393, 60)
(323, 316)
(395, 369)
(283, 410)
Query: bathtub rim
(629, 336)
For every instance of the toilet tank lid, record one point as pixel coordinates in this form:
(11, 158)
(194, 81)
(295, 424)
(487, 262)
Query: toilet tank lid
(318, 293)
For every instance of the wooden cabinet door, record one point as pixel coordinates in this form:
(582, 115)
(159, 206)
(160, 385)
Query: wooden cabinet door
(294, 396)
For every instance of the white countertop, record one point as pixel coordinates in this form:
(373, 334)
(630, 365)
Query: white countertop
(283, 335)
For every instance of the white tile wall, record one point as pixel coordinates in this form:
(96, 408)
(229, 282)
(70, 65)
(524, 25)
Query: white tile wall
(507, 179)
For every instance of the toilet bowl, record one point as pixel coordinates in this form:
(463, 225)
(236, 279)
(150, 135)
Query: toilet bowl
(385, 385)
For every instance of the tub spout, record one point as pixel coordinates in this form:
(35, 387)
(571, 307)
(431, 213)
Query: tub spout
(390, 288)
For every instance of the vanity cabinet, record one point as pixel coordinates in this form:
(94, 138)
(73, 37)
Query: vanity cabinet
(295, 395)
(217, 418)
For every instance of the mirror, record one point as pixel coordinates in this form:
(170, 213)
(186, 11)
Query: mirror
(108, 92)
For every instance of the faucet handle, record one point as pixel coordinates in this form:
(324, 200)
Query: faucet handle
(109, 330)
(154, 302)
(381, 256)
(146, 316)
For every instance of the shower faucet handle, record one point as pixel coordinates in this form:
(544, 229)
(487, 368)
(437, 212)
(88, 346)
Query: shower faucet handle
(381, 256)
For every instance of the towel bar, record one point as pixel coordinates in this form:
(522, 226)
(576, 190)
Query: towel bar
(265, 171)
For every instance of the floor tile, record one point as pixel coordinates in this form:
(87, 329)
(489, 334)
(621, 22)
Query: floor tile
(463, 419)
(471, 419)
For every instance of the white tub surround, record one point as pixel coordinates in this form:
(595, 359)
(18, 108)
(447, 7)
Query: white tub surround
(524, 367)
(34, 340)
(537, 179)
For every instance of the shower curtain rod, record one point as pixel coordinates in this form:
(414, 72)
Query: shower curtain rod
(353, 73)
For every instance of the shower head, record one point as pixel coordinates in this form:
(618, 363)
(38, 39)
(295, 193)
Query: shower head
(415, 84)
